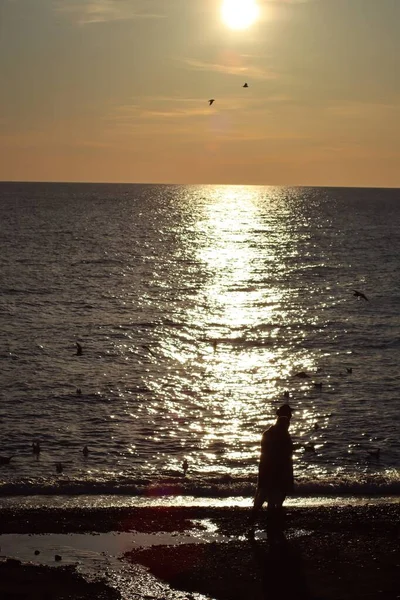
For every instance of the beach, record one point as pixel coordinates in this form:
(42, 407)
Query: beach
(336, 552)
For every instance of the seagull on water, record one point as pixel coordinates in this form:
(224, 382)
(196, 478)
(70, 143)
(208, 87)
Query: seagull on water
(359, 295)
(309, 448)
(245, 85)
(302, 375)
(375, 453)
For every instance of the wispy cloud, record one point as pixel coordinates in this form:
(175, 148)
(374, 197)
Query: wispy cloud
(85, 12)
(251, 71)
(164, 109)
(362, 110)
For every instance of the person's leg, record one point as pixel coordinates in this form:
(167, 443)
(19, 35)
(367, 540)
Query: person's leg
(276, 513)
(259, 500)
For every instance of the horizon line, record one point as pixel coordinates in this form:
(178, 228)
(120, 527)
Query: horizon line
(288, 185)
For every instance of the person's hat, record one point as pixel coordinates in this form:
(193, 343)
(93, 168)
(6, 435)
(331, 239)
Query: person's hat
(284, 411)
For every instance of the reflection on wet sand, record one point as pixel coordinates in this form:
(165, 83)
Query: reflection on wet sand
(281, 565)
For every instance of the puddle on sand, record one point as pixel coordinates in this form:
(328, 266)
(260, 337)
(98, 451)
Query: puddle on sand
(99, 555)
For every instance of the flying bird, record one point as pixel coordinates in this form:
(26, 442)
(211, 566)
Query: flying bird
(359, 295)
(245, 85)
(211, 101)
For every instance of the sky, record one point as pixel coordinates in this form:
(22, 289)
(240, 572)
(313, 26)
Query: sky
(118, 90)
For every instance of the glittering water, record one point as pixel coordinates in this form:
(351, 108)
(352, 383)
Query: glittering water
(147, 278)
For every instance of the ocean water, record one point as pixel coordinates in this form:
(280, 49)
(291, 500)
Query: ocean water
(195, 307)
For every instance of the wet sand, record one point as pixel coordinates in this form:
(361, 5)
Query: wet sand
(349, 552)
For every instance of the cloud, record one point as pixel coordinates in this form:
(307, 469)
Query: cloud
(164, 109)
(101, 11)
(362, 110)
(252, 72)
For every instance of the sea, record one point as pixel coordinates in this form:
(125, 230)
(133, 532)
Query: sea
(199, 309)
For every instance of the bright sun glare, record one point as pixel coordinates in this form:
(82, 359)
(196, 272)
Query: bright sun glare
(239, 14)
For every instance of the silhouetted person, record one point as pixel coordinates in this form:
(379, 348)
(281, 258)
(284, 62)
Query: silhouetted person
(185, 466)
(78, 392)
(275, 470)
(78, 349)
(5, 460)
(85, 451)
(36, 449)
(59, 467)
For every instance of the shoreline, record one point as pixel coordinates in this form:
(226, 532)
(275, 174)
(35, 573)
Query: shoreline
(331, 552)
(42, 520)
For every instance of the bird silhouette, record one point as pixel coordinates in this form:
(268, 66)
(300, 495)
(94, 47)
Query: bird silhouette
(309, 448)
(5, 460)
(211, 101)
(360, 295)
(375, 453)
(302, 375)
(245, 85)
(149, 350)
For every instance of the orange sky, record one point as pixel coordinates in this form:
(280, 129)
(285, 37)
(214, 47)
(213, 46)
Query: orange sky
(117, 90)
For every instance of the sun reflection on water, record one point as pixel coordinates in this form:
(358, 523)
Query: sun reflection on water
(236, 334)
(241, 313)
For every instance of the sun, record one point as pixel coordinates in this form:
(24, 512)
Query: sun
(239, 14)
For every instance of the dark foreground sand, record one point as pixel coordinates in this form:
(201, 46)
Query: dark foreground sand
(327, 553)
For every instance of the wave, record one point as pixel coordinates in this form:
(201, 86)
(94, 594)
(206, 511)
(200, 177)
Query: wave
(217, 487)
